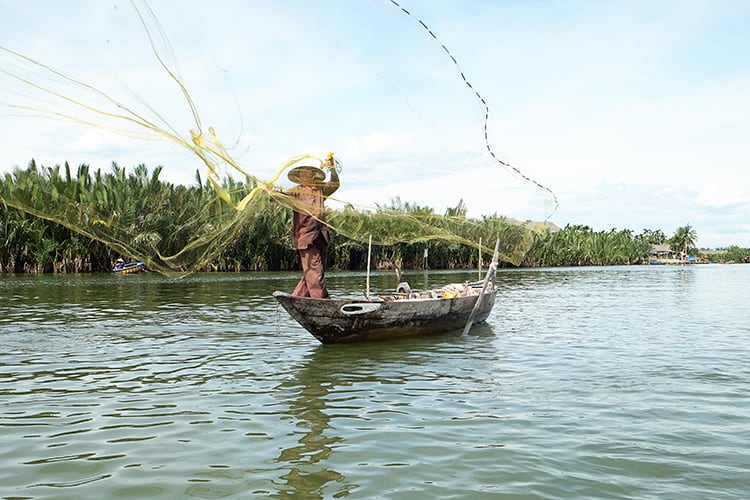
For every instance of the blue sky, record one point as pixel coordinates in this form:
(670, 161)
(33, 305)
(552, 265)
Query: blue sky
(634, 113)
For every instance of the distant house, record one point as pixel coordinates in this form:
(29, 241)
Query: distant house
(663, 252)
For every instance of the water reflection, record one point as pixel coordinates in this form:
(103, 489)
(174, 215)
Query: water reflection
(309, 472)
(353, 390)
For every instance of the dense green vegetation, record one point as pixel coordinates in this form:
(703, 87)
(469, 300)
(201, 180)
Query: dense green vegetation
(729, 254)
(56, 220)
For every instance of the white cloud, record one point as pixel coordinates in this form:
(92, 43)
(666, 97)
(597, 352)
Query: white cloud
(720, 197)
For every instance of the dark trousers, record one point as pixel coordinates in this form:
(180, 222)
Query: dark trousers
(314, 259)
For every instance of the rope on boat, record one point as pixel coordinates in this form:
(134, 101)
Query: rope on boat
(278, 318)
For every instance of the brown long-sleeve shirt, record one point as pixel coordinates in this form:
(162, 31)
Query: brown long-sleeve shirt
(309, 218)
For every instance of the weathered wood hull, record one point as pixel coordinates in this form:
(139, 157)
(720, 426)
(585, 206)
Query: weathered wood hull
(334, 321)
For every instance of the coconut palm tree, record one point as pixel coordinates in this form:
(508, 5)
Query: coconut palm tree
(684, 238)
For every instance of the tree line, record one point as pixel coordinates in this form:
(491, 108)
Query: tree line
(52, 219)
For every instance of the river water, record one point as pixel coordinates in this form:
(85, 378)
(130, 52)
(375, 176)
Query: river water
(614, 382)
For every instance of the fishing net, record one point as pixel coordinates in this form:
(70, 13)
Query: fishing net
(178, 229)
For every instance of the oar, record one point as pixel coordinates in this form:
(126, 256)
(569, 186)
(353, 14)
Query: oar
(490, 272)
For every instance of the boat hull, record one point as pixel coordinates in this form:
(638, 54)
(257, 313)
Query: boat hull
(333, 321)
(130, 268)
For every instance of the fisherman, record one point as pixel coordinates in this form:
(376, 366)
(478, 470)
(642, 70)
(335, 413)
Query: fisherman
(311, 235)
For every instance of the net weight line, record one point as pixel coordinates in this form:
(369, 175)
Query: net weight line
(486, 111)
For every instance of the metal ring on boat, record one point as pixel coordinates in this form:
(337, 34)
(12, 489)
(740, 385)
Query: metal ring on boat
(360, 308)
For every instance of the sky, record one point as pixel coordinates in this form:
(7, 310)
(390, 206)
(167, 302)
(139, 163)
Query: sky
(631, 114)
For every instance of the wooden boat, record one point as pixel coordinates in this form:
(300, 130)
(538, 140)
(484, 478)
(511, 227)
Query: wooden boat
(403, 313)
(129, 268)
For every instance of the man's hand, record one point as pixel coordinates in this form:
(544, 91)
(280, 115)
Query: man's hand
(330, 162)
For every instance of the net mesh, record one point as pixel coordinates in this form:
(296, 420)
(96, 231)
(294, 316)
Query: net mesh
(181, 229)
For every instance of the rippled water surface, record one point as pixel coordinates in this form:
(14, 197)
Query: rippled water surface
(620, 382)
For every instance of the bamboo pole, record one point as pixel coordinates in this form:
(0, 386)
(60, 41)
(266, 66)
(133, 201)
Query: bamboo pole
(479, 270)
(369, 253)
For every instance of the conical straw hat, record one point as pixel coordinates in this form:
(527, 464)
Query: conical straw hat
(317, 174)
